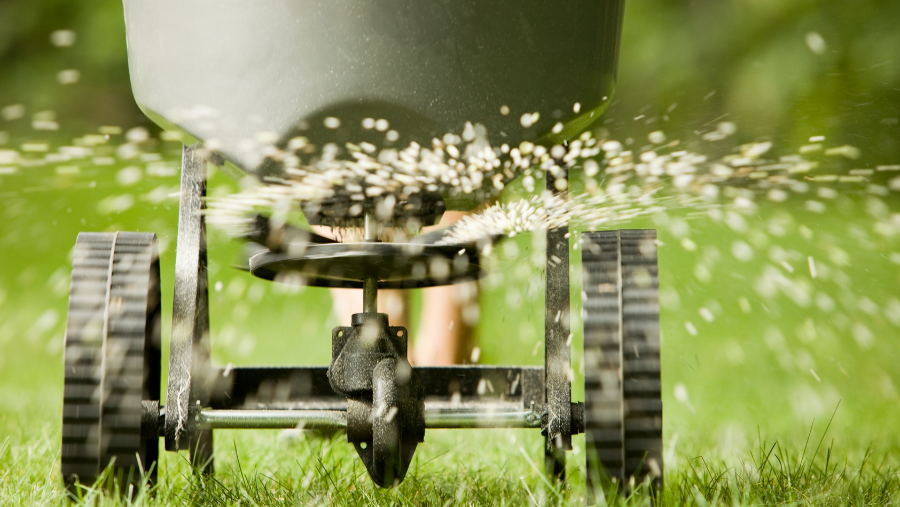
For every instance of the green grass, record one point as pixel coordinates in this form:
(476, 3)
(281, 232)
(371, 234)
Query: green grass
(489, 467)
(769, 354)
(261, 469)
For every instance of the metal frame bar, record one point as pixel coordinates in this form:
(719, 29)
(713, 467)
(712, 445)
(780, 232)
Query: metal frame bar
(557, 353)
(337, 419)
(235, 395)
(189, 350)
(308, 387)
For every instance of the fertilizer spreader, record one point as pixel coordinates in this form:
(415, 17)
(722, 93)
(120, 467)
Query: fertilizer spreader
(273, 88)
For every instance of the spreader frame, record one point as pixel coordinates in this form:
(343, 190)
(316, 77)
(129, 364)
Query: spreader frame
(202, 397)
(369, 390)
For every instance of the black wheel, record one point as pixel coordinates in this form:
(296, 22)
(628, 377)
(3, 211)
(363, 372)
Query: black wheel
(112, 359)
(623, 404)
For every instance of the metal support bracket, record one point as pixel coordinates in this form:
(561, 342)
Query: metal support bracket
(557, 358)
(308, 388)
(189, 370)
(385, 398)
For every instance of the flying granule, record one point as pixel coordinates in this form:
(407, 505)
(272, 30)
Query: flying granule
(615, 184)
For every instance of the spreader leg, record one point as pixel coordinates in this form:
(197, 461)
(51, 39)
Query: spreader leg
(557, 356)
(189, 377)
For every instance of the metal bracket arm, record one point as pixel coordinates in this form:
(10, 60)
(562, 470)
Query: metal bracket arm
(189, 353)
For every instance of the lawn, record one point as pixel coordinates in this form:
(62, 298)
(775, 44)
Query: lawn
(778, 378)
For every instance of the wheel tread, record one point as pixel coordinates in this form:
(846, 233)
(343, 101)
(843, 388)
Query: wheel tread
(620, 301)
(115, 276)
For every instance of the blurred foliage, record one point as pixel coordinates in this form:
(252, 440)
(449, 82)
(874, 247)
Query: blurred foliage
(782, 71)
(30, 63)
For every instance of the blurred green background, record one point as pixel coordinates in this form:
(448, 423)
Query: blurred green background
(750, 342)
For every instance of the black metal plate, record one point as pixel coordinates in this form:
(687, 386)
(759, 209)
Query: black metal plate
(395, 265)
(308, 386)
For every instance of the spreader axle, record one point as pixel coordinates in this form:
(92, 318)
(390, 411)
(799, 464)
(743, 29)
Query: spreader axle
(337, 419)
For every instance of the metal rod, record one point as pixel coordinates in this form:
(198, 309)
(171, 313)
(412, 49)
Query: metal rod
(370, 225)
(337, 419)
(273, 419)
(370, 295)
(452, 418)
(370, 285)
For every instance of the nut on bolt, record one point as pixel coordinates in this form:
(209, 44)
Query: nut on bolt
(533, 416)
(577, 419)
